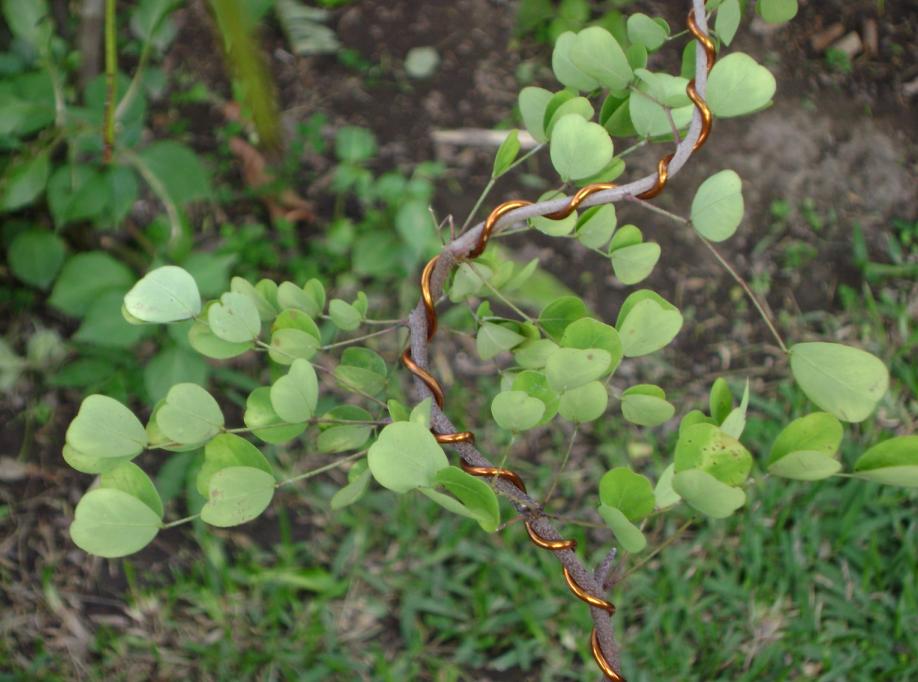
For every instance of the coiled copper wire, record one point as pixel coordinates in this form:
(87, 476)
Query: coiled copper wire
(431, 382)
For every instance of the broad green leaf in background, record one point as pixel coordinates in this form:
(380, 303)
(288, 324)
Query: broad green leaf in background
(112, 523)
(646, 323)
(36, 256)
(406, 456)
(234, 318)
(294, 396)
(189, 415)
(23, 182)
(532, 103)
(506, 154)
(237, 494)
(30, 21)
(646, 405)
(844, 381)
(706, 447)
(354, 144)
(77, 192)
(579, 148)
(565, 69)
(210, 271)
(476, 495)
(105, 325)
(776, 11)
(717, 208)
(629, 536)
(228, 450)
(105, 428)
(739, 85)
(595, 52)
(265, 422)
(179, 170)
(893, 462)
(627, 491)
(585, 403)
(172, 366)
(166, 294)
(569, 368)
(516, 410)
(84, 277)
(706, 494)
(728, 18)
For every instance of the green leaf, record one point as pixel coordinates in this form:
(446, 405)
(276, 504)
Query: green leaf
(565, 69)
(105, 428)
(506, 154)
(23, 182)
(309, 298)
(358, 480)
(646, 105)
(728, 20)
(494, 339)
(516, 411)
(179, 170)
(474, 494)
(720, 400)
(205, 342)
(533, 354)
(575, 105)
(706, 447)
(844, 381)
(706, 494)
(36, 256)
(105, 325)
(89, 464)
(635, 263)
(717, 209)
(420, 413)
(596, 226)
(172, 366)
(585, 403)
(645, 31)
(663, 492)
(130, 478)
(646, 405)
(210, 271)
(294, 396)
(893, 462)
(739, 85)
(596, 53)
(236, 495)
(629, 536)
(267, 310)
(569, 368)
(776, 11)
(265, 422)
(353, 144)
(189, 415)
(805, 465)
(561, 312)
(362, 370)
(228, 450)
(289, 344)
(29, 21)
(234, 318)
(627, 235)
(817, 432)
(77, 193)
(166, 294)
(735, 423)
(589, 333)
(344, 315)
(647, 323)
(533, 102)
(406, 456)
(627, 491)
(536, 386)
(579, 148)
(84, 278)
(551, 227)
(112, 523)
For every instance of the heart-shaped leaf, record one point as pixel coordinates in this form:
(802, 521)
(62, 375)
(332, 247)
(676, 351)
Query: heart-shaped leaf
(189, 414)
(739, 85)
(516, 411)
(579, 148)
(166, 294)
(294, 395)
(708, 495)
(717, 208)
(569, 368)
(406, 456)
(235, 318)
(237, 494)
(104, 428)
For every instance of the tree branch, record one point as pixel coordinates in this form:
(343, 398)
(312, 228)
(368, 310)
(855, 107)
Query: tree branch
(458, 249)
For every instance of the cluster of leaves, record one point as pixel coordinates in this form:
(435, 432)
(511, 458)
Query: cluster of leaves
(236, 482)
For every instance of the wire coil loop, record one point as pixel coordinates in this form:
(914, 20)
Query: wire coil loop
(554, 545)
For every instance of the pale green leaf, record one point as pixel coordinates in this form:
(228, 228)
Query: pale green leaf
(166, 294)
(237, 494)
(718, 207)
(105, 428)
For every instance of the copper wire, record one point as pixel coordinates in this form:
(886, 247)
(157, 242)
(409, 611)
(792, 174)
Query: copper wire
(560, 545)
